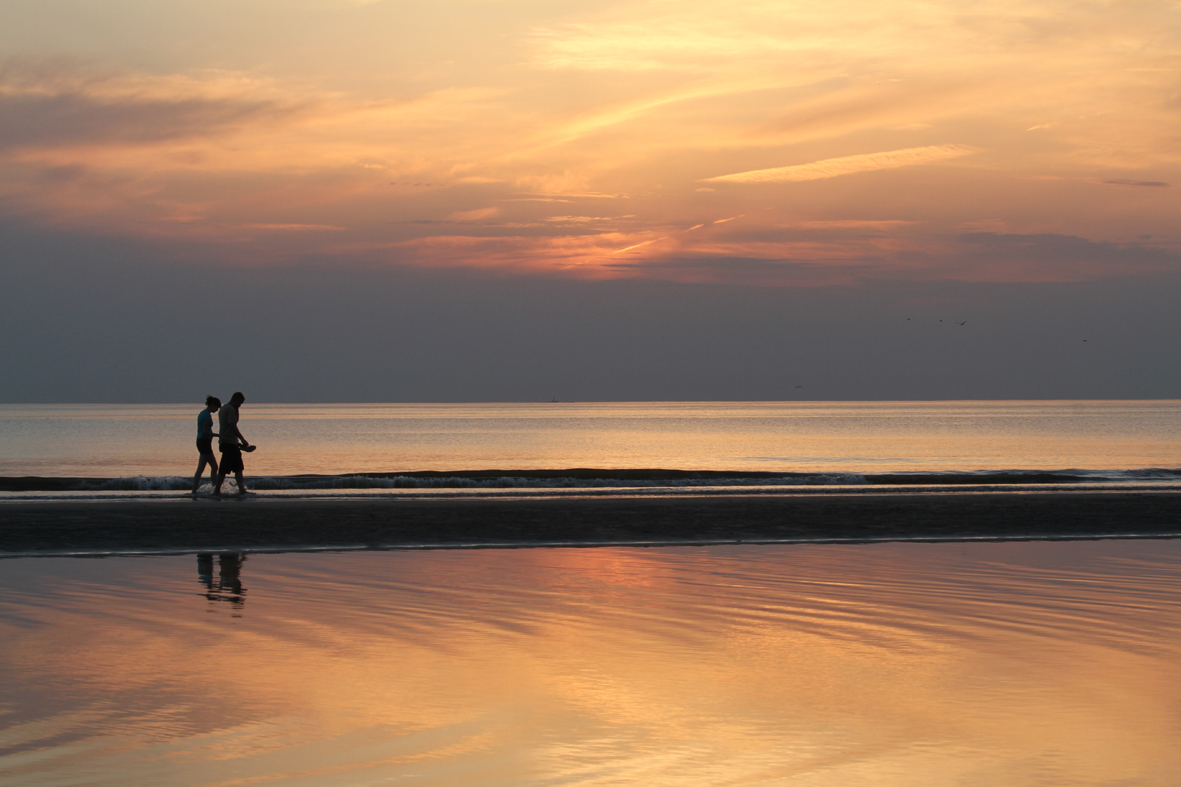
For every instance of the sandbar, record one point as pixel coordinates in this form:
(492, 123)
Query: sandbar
(257, 523)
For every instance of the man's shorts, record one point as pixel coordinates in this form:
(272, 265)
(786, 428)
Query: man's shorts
(231, 459)
(205, 446)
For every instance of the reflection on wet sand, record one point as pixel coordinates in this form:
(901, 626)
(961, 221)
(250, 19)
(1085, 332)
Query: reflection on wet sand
(995, 665)
(228, 586)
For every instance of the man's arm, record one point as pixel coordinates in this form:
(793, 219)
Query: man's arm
(233, 429)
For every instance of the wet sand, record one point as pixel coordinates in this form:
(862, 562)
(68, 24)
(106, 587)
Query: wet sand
(261, 523)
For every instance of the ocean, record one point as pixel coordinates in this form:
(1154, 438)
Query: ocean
(602, 448)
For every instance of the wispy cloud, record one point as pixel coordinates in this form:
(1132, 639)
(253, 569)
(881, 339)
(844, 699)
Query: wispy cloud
(50, 104)
(848, 165)
(680, 44)
(1150, 183)
(479, 214)
(296, 227)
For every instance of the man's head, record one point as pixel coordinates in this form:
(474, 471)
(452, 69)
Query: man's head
(237, 399)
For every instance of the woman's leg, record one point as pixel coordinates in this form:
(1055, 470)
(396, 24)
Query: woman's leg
(200, 469)
(206, 459)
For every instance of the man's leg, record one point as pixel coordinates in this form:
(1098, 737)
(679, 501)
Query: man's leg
(241, 483)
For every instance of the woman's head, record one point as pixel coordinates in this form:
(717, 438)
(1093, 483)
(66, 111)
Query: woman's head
(213, 403)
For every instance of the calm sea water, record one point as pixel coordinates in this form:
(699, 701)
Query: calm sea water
(897, 664)
(152, 446)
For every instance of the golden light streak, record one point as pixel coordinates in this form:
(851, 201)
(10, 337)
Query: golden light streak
(847, 165)
(638, 245)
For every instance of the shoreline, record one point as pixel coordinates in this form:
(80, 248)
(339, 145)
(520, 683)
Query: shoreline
(261, 524)
(595, 478)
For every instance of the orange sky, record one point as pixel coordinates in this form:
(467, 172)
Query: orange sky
(772, 143)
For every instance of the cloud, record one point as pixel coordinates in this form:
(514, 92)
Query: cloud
(480, 214)
(639, 245)
(848, 165)
(48, 106)
(680, 44)
(810, 253)
(984, 256)
(51, 121)
(751, 271)
(858, 224)
(296, 227)
(1151, 183)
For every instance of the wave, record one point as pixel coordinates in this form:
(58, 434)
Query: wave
(598, 479)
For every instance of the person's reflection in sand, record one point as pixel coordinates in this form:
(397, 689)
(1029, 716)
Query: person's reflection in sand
(205, 569)
(228, 586)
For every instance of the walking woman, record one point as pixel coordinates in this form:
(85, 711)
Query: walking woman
(205, 435)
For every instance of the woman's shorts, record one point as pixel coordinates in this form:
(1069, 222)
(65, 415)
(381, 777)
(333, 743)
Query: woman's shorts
(205, 446)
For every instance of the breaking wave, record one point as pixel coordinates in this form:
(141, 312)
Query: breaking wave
(597, 479)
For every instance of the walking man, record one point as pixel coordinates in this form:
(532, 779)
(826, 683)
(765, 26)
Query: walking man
(230, 442)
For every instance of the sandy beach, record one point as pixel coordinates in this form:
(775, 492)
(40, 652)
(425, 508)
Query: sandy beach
(261, 523)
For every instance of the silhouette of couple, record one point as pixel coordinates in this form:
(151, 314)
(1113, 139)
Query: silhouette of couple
(230, 442)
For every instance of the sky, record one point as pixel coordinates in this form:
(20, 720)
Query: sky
(519, 200)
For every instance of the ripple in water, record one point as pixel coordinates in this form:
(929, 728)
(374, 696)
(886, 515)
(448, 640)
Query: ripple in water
(983, 664)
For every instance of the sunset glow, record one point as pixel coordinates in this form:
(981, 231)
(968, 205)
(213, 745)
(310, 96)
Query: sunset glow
(776, 143)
